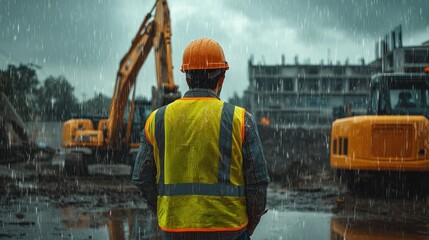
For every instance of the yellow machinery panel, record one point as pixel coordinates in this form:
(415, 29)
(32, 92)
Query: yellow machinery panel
(81, 133)
(380, 143)
(394, 141)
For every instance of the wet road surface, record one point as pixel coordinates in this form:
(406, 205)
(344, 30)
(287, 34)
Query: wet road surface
(90, 208)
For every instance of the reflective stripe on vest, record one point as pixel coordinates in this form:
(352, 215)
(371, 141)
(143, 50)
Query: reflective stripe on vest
(190, 197)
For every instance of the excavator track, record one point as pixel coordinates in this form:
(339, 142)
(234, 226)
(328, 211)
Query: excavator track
(75, 164)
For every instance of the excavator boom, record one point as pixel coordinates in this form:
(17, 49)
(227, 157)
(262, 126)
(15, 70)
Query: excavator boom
(107, 140)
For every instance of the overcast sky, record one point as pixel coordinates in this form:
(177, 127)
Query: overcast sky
(84, 40)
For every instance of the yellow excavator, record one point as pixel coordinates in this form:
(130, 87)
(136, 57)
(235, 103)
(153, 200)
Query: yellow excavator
(95, 140)
(389, 146)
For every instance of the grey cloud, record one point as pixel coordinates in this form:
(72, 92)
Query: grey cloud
(356, 18)
(76, 32)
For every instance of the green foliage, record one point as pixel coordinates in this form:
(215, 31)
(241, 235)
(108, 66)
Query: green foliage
(19, 84)
(56, 99)
(53, 101)
(99, 105)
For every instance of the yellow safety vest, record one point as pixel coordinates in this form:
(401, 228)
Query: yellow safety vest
(198, 155)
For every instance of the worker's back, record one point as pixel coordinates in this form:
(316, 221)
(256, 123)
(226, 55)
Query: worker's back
(198, 142)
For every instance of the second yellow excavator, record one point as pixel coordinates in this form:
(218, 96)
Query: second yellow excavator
(389, 146)
(92, 140)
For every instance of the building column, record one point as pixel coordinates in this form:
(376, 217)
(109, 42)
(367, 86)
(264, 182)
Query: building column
(295, 85)
(319, 85)
(346, 86)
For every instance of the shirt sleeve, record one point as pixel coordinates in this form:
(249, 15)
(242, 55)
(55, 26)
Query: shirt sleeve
(255, 173)
(144, 173)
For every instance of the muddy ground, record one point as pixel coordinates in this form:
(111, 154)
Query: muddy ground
(291, 153)
(39, 202)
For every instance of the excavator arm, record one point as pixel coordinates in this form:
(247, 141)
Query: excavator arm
(93, 140)
(166, 90)
(155, 34)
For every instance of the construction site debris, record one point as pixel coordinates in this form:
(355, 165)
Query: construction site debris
(296, 156)
(15, 143)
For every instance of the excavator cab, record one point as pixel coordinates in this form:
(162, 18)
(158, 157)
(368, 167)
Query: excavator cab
(142, 110)
(399, 94)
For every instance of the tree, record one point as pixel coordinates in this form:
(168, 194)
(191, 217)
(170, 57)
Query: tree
(56, 99)
(19, 84)
(99, 105)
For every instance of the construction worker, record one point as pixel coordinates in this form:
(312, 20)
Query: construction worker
(200, 164)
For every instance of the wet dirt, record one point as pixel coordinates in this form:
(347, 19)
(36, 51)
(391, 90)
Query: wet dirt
(39, 202)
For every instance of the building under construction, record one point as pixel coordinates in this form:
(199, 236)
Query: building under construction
(312, 96)
(306, 95)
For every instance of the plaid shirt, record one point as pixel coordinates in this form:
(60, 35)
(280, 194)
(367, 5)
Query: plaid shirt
(255, 173)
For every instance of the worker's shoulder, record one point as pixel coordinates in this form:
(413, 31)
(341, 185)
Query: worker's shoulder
(249, 119)
(233, 105)
(154, 113)
(161, 109)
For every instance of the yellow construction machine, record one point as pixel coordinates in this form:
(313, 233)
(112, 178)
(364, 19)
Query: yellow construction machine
(95, 140)
(389, 146)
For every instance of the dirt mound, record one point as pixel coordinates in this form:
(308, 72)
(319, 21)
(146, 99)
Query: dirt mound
(292, 154)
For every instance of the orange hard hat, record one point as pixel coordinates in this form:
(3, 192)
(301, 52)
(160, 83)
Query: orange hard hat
(203, 53)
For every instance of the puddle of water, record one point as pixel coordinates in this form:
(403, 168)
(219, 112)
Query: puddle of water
(115, 224)
(39, 218)
(106, 169)
(98, 169)
(27, 185)
(281, 225)
(58, 160)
